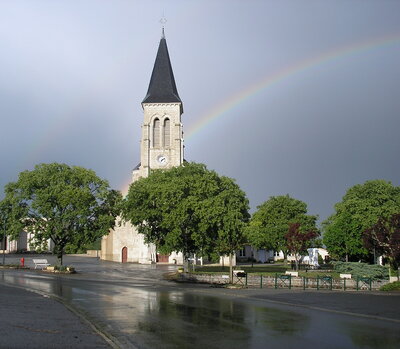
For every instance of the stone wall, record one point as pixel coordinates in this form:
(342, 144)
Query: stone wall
(255, 281)
(93, 253)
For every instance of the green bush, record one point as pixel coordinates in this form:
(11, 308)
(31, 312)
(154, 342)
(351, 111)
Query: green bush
(372, 271)
(71, 248)
(393, 286)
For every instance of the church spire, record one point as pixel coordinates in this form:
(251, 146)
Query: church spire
(162, 88)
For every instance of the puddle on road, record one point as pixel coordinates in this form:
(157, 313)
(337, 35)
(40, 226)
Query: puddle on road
(173, 318)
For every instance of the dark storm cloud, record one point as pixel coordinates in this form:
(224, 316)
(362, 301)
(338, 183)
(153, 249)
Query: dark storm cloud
(72, 76)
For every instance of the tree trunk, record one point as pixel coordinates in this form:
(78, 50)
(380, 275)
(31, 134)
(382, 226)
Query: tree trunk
(297, 263)
(347, 257)
(58, 251)
(59, 258)
(285, 261)
(393, 266)
(185, 262)
(230, 269)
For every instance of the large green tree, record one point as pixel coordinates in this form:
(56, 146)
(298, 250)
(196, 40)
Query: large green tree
(270, 223)
(69, 205)
(7, 214)
(189, 209)
(361, 208)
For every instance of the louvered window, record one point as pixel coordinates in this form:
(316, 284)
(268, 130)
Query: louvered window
(167, 133)
(156, 133)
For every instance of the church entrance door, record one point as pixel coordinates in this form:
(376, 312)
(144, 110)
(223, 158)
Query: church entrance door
(162, 258)
(124, 255)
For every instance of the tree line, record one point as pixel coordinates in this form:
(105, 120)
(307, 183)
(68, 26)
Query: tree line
(197, 211)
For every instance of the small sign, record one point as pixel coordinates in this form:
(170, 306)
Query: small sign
(225, 276)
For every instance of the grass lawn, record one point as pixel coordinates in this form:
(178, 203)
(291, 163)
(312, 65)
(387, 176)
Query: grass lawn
(263, 269)
(394, 286)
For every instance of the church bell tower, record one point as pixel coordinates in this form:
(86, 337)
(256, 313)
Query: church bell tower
(161, 146)
(162, 132)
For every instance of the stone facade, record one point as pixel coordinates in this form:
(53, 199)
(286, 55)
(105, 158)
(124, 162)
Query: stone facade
(161, 147)
(153, 155)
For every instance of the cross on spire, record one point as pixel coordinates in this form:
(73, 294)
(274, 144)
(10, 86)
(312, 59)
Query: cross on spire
(163, 20)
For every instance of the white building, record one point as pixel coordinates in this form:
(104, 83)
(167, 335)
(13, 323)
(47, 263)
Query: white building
(22, 244)
(247, 253)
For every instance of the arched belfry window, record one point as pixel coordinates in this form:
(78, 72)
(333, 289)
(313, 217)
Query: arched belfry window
(156, 133)
(167, 133)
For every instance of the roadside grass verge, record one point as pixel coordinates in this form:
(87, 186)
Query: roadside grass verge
(257, 269)
(393, 286)
(12, 266)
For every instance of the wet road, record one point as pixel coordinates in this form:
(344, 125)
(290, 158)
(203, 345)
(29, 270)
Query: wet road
(138, 308)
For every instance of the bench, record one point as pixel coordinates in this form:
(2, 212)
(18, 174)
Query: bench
(43, 263)
(240, 275)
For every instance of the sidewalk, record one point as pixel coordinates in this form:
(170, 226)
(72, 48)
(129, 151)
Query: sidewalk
(30, 320)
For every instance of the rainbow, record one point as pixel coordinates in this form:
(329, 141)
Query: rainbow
(221, 110)
(234, 100)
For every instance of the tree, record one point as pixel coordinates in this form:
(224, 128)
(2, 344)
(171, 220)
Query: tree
(360, 208)
(188, 209)
(62, 203)
(384, 237)
(270, 223)
(230, 215)
(298, 241)
(5, 212)
(8, 214)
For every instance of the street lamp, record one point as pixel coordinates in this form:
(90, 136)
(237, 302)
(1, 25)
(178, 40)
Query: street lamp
(4, 242)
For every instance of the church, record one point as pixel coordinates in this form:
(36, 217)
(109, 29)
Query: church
(161, 147)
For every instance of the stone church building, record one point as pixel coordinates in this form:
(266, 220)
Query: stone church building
(161, 147)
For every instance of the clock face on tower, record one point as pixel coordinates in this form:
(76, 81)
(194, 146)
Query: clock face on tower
(162, 160)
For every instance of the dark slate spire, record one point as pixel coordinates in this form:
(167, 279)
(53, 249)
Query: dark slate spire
(162, 88)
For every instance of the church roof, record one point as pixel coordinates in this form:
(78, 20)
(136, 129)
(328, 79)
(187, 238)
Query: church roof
(162, 88)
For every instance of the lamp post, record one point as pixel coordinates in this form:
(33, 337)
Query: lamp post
(4, 242)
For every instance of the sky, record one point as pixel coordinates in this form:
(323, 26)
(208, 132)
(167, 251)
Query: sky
(293, 97)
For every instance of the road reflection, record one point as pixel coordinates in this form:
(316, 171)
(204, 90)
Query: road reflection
(148, 316)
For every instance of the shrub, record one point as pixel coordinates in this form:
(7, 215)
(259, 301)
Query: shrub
(372, 271)
(393, 286)
(71, 248)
